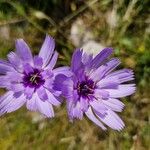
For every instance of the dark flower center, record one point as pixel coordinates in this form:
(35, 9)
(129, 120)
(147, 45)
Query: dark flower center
(33, 79)
(85, 88)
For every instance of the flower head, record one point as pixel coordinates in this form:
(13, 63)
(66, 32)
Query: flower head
(30, 80)
(95, 87)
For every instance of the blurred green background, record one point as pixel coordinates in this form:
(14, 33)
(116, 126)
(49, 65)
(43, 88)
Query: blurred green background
(121, 24)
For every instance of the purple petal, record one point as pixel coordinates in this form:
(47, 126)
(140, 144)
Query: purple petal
(63, 70)
(8, 103)
(58, 82)
(100, 93)
(112, 120)
(17, 87)
(103, 70)
(52, 61)
(108, 83)
(56, 93)
(93, 118)
(42, 93)
(98, 106)
(84, 104)
(38, 62)
(70, 105)
(45, 108)
(27, 68)
(48, 84)
(15, 61)
(80, 75)
(4, 82)
(5, 67)
(114, 104)
(67, 88)
(14, 77)
(18, 94)
(52, 99)
(76, 60)
(123, 75)
(77, 112)
(122, 91)
(104, 54)
(97, 74)
(31, 103)
(47, 50)
(47, 75)
(5, 99)
(28, 92)
(16, 104)
(87, 58)
(111, 65)
(120, 72)
(23, 51)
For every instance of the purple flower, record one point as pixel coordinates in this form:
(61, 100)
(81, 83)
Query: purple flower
(30, 80)
(95, 87)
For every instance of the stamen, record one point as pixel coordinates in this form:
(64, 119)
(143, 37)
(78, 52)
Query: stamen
(34, 79)
(85, 88)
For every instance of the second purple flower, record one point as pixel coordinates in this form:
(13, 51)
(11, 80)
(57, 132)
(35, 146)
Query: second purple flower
(95, 87)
